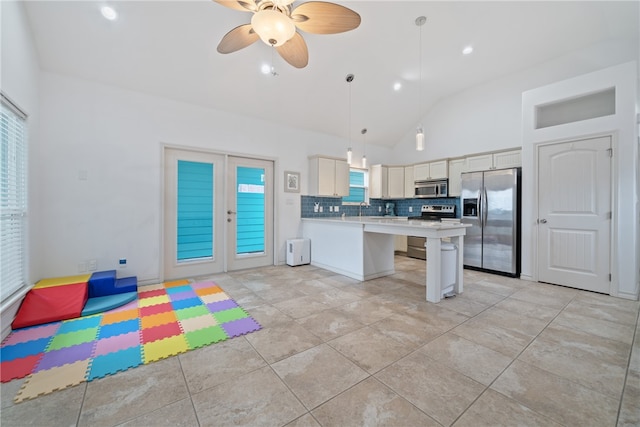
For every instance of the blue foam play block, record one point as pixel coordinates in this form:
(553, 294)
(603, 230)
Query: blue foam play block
(102, 283)
(100, 304)
(126, 284)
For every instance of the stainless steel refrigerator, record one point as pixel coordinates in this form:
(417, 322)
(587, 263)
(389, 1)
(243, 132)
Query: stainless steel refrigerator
(491, 204)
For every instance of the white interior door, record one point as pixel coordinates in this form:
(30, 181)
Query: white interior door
(194, 214)
(249, 213)
(574, 214)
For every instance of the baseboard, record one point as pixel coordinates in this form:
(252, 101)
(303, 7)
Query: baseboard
(9, 309)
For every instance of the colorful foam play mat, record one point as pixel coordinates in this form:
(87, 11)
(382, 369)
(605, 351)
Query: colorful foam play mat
(165, 320)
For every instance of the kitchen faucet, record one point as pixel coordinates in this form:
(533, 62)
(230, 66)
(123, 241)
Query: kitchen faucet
(361, 205)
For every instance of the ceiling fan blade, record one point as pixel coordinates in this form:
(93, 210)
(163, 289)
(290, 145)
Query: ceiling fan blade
(319, 17)
(243, 5)
(295, 51)
(238, 38)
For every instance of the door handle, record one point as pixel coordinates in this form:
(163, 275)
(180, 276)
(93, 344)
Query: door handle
(228, 219)
(542, 221)
(229, 212)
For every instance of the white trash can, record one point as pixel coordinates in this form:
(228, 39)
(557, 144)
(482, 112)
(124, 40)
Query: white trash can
(448, 256)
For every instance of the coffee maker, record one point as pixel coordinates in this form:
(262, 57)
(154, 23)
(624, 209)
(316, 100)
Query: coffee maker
(390, 209)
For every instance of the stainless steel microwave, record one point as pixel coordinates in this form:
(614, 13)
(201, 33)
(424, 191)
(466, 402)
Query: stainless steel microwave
(431, 188)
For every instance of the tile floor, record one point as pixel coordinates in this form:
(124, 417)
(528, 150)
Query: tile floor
(336, 352)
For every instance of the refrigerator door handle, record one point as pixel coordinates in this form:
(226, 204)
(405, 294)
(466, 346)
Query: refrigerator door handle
(485, 207)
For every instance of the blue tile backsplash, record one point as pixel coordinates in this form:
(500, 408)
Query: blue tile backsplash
(375, 208)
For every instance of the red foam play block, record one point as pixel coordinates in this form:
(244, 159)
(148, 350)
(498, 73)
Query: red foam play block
(46, 305)
(18, 368)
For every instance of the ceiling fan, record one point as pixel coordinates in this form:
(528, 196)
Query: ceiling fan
(276, 21)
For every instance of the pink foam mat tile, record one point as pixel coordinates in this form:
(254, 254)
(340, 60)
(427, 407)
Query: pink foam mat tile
(117, 343)
(202, 285)
(30, 334)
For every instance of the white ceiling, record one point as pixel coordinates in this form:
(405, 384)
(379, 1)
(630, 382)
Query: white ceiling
(168, 48)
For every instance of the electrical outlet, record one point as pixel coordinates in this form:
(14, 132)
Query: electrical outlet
(336, 209)
(92, 265)
(410, 209)
(379, 208)
(330, 208)
(321, 209)
(122, 262)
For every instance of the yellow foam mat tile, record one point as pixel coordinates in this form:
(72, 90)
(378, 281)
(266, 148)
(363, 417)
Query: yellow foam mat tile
(58, 378)
(59, 281)
(196, 323)
(146, 302)
(219, 296)
(164, 348)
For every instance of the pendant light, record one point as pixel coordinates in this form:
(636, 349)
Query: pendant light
(420, 131)
(364, 143)
(349, 79)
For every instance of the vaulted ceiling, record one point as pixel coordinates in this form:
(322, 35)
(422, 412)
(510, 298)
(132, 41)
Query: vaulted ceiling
(168, 49)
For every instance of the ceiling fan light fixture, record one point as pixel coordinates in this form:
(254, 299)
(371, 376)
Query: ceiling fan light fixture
(273, 27)
(419, 139)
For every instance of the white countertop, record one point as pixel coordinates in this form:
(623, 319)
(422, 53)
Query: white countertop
(396, 221)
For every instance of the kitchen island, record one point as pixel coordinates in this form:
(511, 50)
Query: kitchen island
(363, 247)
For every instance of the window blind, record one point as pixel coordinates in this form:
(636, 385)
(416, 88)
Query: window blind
(13, 199)
(357, 187)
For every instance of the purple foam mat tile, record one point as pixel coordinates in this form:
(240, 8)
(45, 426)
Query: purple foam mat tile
(65, 356)
(221, 305)
(201, 285)
(183, 295)
(241, 327)
(116, 343)
(30, 334)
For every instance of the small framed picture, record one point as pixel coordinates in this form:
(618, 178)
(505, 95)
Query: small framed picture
(291, 182)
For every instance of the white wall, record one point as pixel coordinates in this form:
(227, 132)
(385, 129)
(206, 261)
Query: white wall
(19, 71)
(115, 136)
(488, 117)
(622, 125)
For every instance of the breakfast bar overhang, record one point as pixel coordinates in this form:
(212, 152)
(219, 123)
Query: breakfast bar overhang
(363, 247)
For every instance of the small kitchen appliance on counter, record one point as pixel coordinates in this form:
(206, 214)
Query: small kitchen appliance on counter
(415, 245)
(390, 209)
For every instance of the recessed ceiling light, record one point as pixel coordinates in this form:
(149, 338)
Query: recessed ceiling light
(467, 50)
(109, 13)
(397, 86)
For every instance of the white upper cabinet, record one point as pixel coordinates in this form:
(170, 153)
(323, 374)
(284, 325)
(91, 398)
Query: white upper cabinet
(433, 170)
(378, 182)
(499, 160)
(328, 177)
(395, 182)
(409, 182)
(456, 167)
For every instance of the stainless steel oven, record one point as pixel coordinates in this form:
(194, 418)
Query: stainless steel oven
(431, 188)
(415, 245)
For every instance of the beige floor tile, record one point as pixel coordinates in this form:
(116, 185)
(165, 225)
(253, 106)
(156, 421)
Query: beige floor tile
(630, 408)
(493, 409)
(127, 395)
(267, 315)
(371, 403)
(329, 324)
(9, 390)
(409, 330)
(366, 311)
(256, 399)
(60, 408)
(510, 320)
(528, 309)
(602, 328)
(215, 364)
(473, 360)
(464, 305)
(282, 340)
(178, 414)
(557, 398)
(306, 420)
(335, 297)
(506, 341)
(493, 286)
(301, 307)
(318, 374)
(589, 360)
(436, 316)
(545, 295)
(605, 308)
(441, 392)
(369, 349)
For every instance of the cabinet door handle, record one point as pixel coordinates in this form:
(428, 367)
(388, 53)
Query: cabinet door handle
(543, 221)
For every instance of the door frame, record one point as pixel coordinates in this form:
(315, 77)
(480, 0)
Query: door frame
(226, 155)
(613, 251)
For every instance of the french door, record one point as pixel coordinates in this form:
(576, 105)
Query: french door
(218, 213)
(574, 214)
